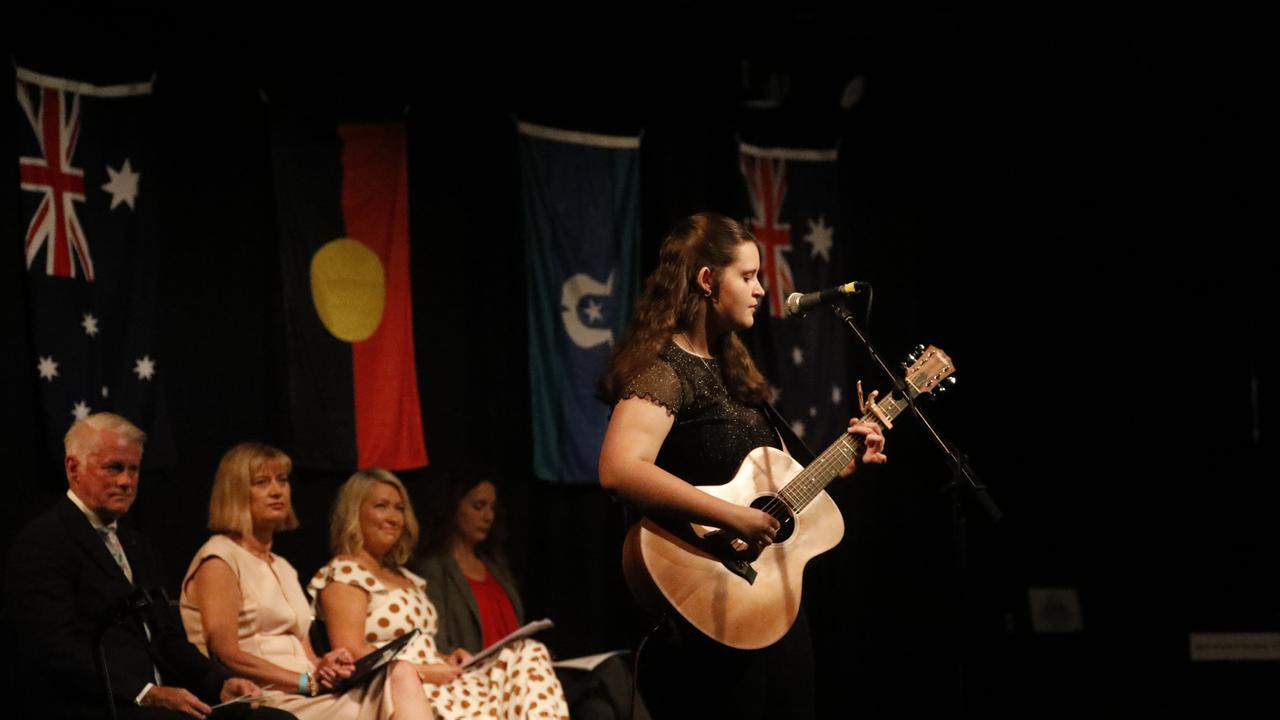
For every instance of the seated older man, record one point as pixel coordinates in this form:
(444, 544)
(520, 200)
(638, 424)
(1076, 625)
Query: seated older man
(96, 640)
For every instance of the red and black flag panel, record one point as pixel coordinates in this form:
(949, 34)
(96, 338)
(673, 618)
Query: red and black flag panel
(89, 239)
(342, 194)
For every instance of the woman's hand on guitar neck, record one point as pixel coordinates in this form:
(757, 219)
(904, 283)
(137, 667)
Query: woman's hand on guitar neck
(874, 440)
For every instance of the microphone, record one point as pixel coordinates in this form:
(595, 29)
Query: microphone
(798, 304)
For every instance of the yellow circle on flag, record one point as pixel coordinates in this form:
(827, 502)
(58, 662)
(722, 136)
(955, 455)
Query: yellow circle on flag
(349, 289)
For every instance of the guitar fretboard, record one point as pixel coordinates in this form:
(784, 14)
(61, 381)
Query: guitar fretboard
(805, 486)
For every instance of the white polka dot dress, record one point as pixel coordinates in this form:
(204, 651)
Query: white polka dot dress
(516, 684)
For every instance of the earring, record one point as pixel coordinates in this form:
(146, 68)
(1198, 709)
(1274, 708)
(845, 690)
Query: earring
(707, 293)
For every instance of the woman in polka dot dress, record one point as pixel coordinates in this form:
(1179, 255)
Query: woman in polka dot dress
(367, 598)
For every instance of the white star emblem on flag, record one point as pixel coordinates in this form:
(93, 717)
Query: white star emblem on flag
(47, 368)
(819, 239)
(123, 185)
(144, 367)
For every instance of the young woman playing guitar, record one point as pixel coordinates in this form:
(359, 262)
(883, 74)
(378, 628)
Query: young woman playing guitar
(688, 407)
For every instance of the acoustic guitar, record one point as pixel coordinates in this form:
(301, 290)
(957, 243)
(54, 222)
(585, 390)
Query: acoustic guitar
(704, 573)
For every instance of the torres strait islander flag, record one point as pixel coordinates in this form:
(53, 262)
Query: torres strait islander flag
(342, 194)
(581, 211)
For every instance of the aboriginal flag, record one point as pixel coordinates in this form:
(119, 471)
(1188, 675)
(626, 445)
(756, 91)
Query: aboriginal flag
(342, 195)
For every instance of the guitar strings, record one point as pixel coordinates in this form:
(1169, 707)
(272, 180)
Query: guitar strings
(801, 490)
(791, 497)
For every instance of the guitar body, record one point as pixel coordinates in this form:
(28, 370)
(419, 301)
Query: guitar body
(697, 572)
(682, 566)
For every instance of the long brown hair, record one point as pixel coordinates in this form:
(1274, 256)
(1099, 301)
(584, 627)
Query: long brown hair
(672, 302)
(441, 514)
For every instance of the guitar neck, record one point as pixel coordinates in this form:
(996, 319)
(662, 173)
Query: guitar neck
(805, 486)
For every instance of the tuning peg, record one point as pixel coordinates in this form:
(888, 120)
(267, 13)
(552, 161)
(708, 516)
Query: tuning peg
(950, 382)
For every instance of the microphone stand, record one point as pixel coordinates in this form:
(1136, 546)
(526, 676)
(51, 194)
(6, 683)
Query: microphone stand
(100, 659)
(135, 604)
(960, 468)
(962, 475)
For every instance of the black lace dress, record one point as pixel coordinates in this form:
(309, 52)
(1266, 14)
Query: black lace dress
(683, 673)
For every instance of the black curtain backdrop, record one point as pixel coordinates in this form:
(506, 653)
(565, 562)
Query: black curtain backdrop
(1067, 202)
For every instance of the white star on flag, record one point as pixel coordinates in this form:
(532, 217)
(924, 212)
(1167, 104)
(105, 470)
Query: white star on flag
(819, 238)
(105, 392)
(836, 395)
(48, 368)
(81, 410)
(775, 393)
(797, 355)
(797, 427)
(592, 311)
(813, 412)
(144, 368)
(90, 325)
(123, 185)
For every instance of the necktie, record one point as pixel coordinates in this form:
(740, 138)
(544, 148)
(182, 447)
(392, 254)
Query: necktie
(117, 550)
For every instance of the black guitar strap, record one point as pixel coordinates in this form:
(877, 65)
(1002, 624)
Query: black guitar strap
(795, 445)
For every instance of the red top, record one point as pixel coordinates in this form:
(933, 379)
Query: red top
(497, 617)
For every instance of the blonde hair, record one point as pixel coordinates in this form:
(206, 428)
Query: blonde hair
(229, 501)
(77, 439)
(345, 536)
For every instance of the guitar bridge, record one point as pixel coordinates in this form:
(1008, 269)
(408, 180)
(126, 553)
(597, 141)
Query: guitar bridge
(742, 569)
(721, 545)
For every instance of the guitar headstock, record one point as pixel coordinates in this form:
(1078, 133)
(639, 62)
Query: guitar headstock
(930, 369)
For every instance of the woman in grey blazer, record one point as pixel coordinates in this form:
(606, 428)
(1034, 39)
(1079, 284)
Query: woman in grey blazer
(470, 584)
(466, 570)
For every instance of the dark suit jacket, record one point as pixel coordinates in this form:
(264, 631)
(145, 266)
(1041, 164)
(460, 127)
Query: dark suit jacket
(64, 589)
(456, 606)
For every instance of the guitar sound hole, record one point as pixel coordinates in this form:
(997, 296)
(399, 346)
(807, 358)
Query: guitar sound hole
(779, 510)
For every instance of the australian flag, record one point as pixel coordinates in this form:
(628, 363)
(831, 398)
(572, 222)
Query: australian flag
(88, 235)
(791, 204)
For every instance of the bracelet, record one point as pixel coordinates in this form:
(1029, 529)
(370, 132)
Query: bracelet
(311, 683)
(304, 681)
